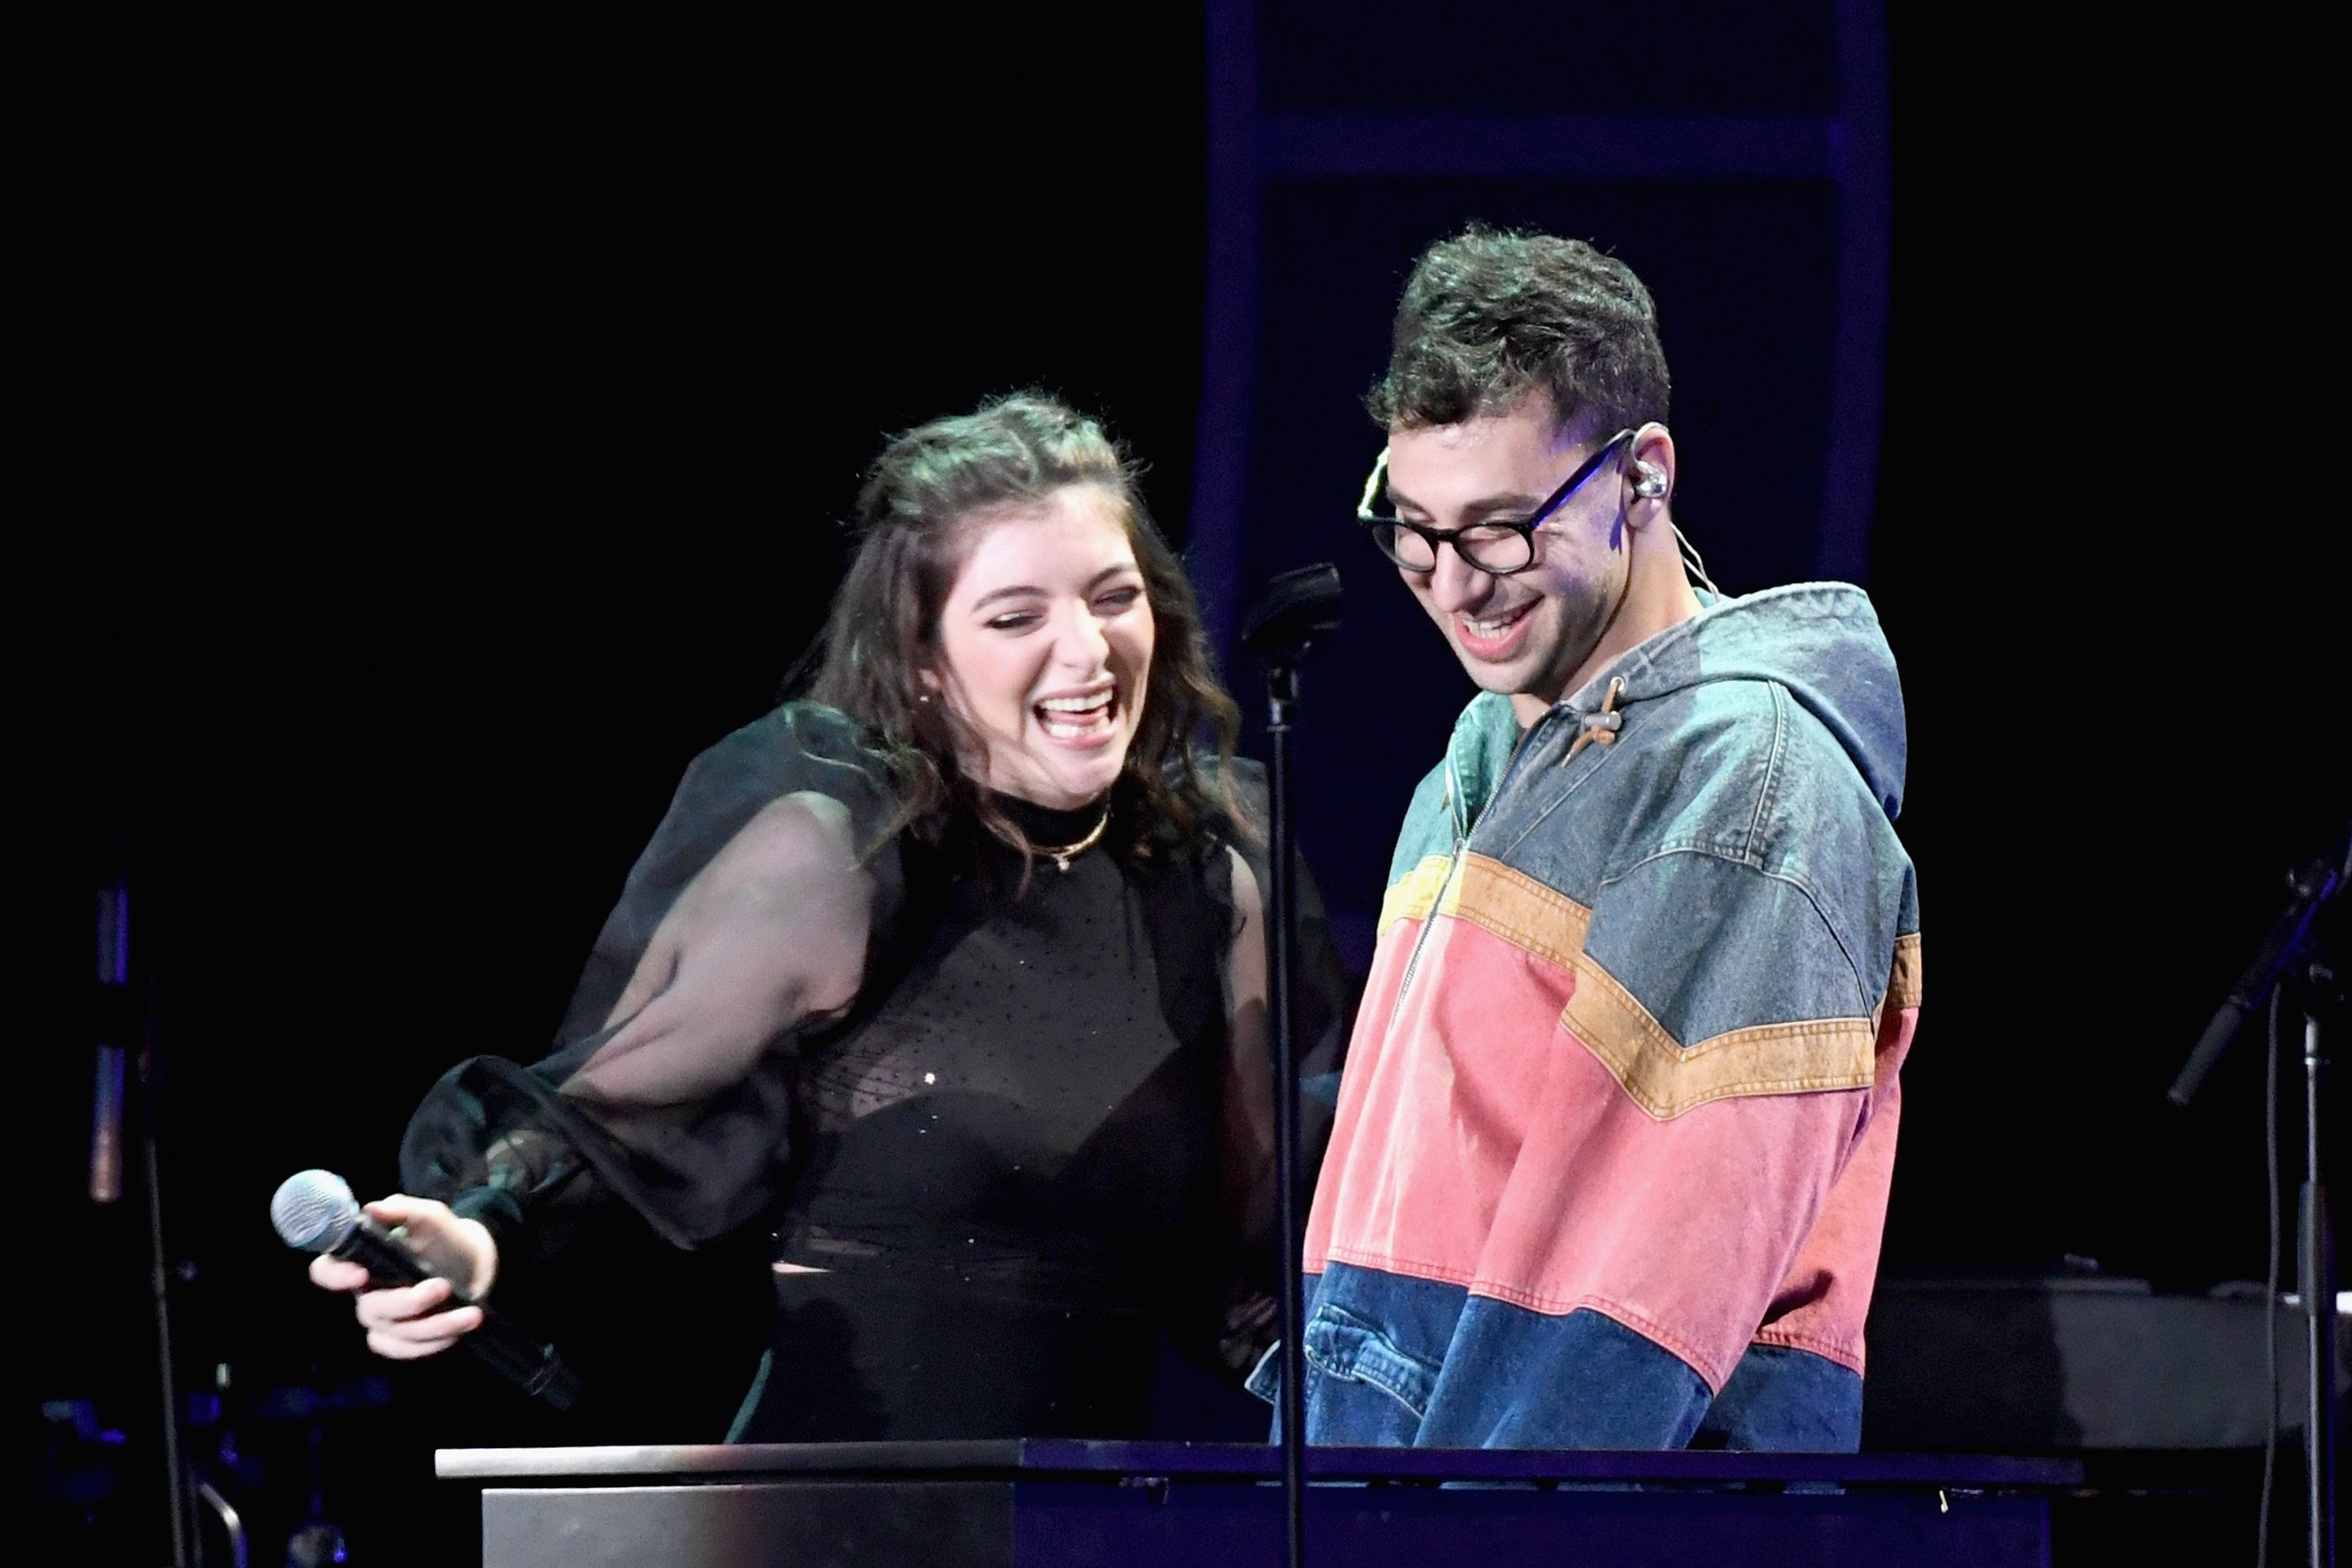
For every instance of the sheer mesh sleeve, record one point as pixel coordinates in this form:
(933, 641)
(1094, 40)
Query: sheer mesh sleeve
(762, 895)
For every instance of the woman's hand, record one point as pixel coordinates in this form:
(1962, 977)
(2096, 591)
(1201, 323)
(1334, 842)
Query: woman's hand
(406, 1322)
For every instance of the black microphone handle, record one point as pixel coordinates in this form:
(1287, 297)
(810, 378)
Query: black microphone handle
(2220, 1034)
(530, 1365)
(2311, 885)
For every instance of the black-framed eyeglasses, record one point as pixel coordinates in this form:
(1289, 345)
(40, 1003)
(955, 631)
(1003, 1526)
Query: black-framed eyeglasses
(1498, 546)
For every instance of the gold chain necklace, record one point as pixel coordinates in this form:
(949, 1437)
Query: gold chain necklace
(1063, 854)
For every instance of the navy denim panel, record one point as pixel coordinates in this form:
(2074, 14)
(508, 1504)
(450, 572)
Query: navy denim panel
(1394, 1360)
(1519, 1379)
(1402, 1362)
(1415, 1316)
(1789, 1400)
(1341, 1345)
(1374, 1345)
(1383, 1411)
(1343, 1410)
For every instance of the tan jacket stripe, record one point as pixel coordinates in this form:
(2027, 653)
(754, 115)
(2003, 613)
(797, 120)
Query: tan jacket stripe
(1667, 1079)
(1903, 985)
(1414, 894)
(1660, 1076)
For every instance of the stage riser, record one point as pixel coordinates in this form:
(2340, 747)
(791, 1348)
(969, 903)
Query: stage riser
(1087, 1523)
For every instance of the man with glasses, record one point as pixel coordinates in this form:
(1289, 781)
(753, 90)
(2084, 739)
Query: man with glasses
(1613, 1151)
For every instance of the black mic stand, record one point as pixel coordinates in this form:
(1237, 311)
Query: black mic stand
(2288, 957)
(126, 1027)
(1299, 605)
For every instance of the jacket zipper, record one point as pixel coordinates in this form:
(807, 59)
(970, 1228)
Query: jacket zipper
(1454, 866)
(1461, 844)
(1412, 959)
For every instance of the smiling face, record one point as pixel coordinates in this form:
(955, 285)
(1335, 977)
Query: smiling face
(1045, 645)
(1536, 633)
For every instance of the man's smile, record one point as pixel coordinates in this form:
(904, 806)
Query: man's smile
(1495, 635)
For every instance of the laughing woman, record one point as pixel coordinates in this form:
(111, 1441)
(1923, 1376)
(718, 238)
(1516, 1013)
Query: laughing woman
(950, 979)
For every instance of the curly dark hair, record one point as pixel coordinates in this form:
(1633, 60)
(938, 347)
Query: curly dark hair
(921, 493)
(1489, 316)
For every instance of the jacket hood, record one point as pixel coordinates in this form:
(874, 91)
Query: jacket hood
(1819, 641)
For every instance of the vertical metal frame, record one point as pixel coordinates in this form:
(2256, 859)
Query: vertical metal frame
(1247, 148)
(1863, 165)
(1229, 335)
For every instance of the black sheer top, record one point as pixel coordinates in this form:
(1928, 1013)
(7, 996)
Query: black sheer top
(1036, 1136)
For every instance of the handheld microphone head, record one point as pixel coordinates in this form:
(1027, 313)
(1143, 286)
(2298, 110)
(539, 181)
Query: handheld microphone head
(314, 1210)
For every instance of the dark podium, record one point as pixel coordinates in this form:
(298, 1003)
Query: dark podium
(1055, 1503)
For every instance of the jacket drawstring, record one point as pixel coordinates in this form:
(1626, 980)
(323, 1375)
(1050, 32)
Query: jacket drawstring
(1601, 725)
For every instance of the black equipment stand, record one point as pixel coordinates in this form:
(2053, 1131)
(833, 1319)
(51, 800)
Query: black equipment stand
(1298, 606)
(2288, 957)
(126, 1035)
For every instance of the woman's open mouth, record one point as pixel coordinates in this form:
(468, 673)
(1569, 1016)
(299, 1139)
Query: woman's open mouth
(1084, 720)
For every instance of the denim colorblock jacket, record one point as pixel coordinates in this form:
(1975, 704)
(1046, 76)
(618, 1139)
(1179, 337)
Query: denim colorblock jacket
(1613, 1151)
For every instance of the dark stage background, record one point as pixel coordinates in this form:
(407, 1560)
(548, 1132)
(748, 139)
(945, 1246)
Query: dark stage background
(423, 464)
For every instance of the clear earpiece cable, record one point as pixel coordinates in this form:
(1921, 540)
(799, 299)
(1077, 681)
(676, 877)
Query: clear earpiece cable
(1692, 563)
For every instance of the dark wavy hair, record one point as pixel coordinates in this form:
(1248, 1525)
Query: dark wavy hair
(914, 515)
(1489, 316)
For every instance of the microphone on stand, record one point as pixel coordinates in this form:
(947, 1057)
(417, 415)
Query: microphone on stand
(2309, 886)
(314, 1211)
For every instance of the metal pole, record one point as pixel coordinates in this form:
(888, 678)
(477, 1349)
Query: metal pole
(1300, 605)
(231, 1524)
(1282, 691)
(176, 1495)
(126, 1014)
(2316, 1278)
